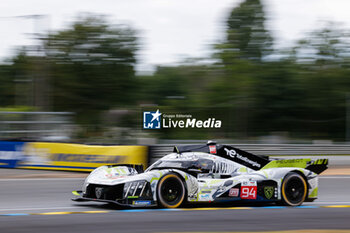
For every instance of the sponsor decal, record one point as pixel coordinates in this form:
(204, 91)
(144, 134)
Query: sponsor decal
(157, 120)
(151, 120)
(249, 183)
(67, 156)
(206, 191)
(114, 176)
(98, 192)
(269, 191)
(212, 149)
(233, 154)
(204, 197)
(248, 190)
(142, 203)
(10, 153)
(234, 192)
(84, 158)
(300, 163)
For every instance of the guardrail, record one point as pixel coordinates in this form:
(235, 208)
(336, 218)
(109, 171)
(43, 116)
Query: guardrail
(80, 157)
(274, 150)
(33, 125)
(68, 156)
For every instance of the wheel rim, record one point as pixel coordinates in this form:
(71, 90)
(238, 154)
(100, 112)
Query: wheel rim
(295, 190)
(171, 191)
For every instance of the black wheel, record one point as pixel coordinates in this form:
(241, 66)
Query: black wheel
(294, 189)
(170, 191)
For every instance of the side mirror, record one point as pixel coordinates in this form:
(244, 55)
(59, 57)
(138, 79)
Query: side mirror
(139, 168)
(195, 170)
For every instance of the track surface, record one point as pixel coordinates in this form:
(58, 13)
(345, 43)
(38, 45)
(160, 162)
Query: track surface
(53, 195)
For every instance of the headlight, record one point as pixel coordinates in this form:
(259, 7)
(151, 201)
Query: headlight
(84, 186)
(94, 174)
(137, 189)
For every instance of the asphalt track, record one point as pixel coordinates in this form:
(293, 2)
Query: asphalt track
(43, 205)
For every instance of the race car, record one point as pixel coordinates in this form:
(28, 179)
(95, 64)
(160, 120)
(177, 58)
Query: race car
(206, 173)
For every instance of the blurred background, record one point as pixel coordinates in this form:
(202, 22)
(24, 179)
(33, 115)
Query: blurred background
(273, 72)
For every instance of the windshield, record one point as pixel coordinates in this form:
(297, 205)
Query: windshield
(204, 165)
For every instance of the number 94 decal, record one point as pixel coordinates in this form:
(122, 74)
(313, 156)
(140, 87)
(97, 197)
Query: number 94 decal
(248, 191)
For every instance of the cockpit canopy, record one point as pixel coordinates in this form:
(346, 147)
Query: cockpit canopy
(183, 162)
(202, 165)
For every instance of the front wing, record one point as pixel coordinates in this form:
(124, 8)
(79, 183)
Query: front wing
(129, 202)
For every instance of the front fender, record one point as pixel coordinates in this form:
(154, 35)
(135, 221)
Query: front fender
(190, 182)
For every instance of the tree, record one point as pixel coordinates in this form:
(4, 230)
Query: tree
(91, 67)
(246, 33)
(15, 81)
(7, 86)
(328, 45)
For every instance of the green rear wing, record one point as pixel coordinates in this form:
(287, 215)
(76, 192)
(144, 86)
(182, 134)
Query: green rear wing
(317, 166)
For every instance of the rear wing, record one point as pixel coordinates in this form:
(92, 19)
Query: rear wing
(317, 166)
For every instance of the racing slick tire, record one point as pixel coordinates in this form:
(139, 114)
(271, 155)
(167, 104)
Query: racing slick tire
(293, 190)
(171, 191)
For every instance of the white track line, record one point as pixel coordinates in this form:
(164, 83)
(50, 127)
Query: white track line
(44, 208)
(81, 207)
(328, 203)
(41, 179)
(334, 177)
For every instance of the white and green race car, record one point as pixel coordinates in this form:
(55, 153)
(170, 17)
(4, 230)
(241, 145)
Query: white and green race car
(205, 174)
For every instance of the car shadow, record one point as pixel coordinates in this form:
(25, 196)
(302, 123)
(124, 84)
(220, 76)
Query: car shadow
(111, 206)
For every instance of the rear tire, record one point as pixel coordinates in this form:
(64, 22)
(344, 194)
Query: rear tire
(170, 191)
(293, 190)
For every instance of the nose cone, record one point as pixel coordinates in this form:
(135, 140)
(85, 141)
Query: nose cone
(111, 175)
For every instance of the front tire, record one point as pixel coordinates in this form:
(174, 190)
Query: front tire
(170, 191)
(294, 189)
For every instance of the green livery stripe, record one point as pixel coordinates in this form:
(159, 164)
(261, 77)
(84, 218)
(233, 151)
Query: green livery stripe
(314, 193)
(300, 163)
(76, 193)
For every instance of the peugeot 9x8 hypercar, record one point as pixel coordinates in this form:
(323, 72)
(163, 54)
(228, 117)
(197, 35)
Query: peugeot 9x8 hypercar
(205, 174)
